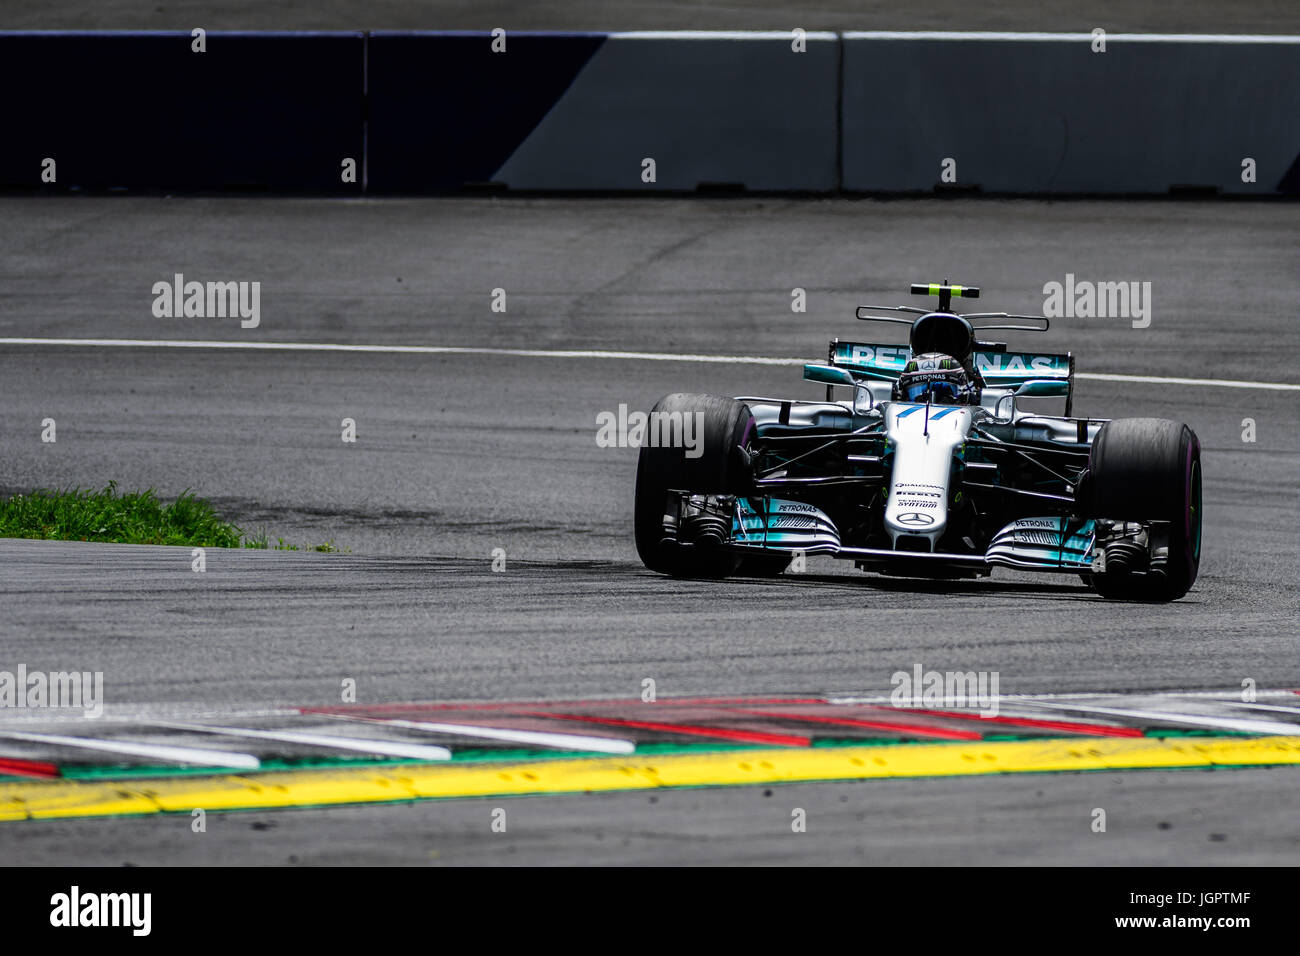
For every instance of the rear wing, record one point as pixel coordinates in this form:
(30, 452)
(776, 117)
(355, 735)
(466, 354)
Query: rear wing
(999, 369)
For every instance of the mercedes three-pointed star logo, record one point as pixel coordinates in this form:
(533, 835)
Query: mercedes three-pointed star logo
(915, 517)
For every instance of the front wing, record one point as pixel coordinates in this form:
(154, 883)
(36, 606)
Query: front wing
(1061, 544)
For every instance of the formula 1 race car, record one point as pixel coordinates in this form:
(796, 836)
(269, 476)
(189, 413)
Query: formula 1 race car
(929, 469)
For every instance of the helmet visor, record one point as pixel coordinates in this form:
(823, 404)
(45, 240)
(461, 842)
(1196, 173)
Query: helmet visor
(940, 392)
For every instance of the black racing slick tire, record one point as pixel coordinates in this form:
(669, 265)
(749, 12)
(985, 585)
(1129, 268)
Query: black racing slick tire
(1148, 469)
(721, 468)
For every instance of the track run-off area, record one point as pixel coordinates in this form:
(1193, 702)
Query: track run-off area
(314, 756)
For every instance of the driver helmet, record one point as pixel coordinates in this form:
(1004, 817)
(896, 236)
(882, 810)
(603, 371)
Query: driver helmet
(936, 378)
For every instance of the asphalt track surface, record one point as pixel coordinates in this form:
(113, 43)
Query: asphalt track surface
(458, 454)
(1155, 818)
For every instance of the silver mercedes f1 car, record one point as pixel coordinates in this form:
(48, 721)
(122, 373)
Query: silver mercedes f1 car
(929, 468)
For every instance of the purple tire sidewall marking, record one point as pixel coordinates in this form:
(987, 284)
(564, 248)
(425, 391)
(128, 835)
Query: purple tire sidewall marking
(1193, 557)
(750, 429)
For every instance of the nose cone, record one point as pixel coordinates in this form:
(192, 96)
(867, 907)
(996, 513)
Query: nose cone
(924, 440)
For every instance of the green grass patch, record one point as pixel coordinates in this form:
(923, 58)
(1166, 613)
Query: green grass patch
(128, 518)
(260, 540)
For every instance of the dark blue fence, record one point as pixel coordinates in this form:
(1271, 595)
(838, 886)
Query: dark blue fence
(138, 111)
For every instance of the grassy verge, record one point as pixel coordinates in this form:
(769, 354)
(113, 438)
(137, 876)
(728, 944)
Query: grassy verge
(130, 518)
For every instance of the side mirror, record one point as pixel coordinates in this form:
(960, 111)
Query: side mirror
(1043, 388)
(862, 400)
(829, 375)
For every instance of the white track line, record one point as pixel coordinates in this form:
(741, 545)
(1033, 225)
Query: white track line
(842, 697)
(1272, 707)
(571, 353)
(1211, 382)
(1197, 720)
(606, 745)
(206, 758)
(1006, 708)
(404, 350)
(388, 748)
(125, 715)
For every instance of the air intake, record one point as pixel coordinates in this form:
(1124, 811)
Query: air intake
(912, 542)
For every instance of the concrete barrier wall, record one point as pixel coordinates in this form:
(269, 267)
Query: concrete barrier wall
(1047, 114)
(444, 112)
(584, 113)
(447, 112)
(145, 111)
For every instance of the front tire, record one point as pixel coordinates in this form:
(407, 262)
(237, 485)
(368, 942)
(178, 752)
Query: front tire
(1148, 469)
(720, 469)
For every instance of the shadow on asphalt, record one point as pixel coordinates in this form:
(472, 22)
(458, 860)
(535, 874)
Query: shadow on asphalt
(1065, 586)
(923, 585)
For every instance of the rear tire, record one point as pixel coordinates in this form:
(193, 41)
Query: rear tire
(720, 469)
(1148, 469)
